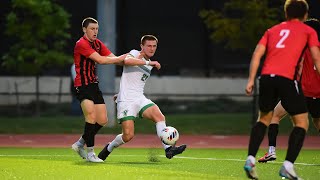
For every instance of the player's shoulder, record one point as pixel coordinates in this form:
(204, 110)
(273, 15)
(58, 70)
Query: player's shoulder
(134, 53)
(81, 41)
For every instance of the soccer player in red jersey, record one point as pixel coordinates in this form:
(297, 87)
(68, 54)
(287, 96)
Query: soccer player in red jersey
(311, 88)
(89, 51)
(284, 45)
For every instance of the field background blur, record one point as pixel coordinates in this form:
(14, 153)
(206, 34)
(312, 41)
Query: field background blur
(191, 88)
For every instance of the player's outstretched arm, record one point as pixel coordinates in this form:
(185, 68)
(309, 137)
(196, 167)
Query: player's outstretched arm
(111, 59)
(132, 61)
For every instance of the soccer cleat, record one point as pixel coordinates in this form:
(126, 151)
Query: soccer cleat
(268, 157)
(104, 153)
(172, 151)
(250, 170)
(80, 150)
(288, 173)
(93, 158)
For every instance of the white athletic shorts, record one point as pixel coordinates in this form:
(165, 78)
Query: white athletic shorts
(132, 110)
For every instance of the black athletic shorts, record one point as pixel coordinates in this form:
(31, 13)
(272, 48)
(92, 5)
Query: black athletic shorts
(91, 92)
(313, 105)
(274, 88)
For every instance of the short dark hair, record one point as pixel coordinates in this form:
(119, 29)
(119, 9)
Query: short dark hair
(87, 21)
(315, 24)
(296, 9)
(149, 38)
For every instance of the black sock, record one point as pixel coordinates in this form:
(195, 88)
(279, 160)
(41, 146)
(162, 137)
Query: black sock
(88, 134)
(296, 140)
(97, 127)
(272, 134)
(257, 134)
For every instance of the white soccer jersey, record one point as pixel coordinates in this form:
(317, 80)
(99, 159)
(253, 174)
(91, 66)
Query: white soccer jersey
(133, 80)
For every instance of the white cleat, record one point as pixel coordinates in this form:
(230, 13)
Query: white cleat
(80, 150)
(93, 158)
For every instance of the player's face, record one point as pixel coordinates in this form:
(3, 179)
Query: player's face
(149, 48)
(91, 31)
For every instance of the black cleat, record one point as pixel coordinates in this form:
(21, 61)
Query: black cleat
(104, 153)
(172, 151)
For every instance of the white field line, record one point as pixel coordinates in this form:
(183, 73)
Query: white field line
(176, 157)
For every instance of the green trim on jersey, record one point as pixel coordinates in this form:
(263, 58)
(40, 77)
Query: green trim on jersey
(126, 119)
(145, 69)
(144, 108)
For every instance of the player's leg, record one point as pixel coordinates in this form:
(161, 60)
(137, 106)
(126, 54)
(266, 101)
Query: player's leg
(120, 139)
(316, 123)
(294, 102)
(89, 112)
(267, 102)
(313, 105)
(273, 129)
(295, 144)
(153, 113)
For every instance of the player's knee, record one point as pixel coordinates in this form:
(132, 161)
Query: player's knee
(126, 137)
(316, 122)
(302, 124)
(103, 121)
(91, 116)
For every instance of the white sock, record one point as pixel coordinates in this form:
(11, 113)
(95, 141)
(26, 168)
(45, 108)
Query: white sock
(252, 159)
(118, 141)
(272, 150)
(90, 150)
(81, 142)
(288, 164)
(160, 126)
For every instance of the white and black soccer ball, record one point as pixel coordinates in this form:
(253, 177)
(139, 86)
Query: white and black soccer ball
(169, 135)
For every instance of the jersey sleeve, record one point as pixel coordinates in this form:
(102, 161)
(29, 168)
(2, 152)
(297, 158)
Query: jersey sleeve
(313, 38)
(264, 39)
(84, 49)
(104, 50)
(134, 53)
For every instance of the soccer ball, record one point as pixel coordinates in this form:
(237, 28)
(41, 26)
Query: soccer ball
(169, 135)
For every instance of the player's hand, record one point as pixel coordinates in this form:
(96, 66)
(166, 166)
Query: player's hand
(155, 64)
(249, 88)
(121, 58)
(115, 97)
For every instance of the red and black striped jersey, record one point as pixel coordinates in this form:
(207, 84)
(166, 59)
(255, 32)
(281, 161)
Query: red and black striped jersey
(84, 66)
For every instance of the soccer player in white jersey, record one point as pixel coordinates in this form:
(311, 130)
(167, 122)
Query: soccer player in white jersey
(132, 104)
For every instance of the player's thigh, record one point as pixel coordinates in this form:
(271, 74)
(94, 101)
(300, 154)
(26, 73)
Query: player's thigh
(292, 98)
(268, 94)
(101, 114)
(278, 113)
(313, 106)
(88, 109)
(126, 111)
(153, 113)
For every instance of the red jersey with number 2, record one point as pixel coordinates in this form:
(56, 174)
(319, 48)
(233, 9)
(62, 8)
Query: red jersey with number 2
(310, 77)
(86, 67)
(285, 43)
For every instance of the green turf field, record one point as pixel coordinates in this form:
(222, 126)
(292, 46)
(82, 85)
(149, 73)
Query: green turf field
(125, 163)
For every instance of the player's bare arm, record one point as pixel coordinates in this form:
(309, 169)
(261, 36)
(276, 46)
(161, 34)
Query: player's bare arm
(111, 59)
(254, 65)
(132, 61)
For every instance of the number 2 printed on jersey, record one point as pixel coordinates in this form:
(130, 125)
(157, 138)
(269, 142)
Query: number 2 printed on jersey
(284, 33)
